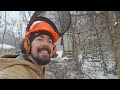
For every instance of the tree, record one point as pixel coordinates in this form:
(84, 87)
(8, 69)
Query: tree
(115, 38)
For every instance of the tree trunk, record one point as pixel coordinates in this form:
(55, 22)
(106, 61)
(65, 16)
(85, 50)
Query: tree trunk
(75, 47)
(115, 39)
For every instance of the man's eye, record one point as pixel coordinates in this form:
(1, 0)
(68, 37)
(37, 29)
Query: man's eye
(50, 41)
(39, 39)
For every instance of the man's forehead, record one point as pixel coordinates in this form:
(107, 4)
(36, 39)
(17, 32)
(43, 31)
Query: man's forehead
(44, 36)
(42, 32)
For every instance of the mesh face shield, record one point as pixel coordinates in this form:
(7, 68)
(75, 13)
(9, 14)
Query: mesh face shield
(59, 20)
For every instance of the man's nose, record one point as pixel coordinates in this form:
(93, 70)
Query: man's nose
(45, 42)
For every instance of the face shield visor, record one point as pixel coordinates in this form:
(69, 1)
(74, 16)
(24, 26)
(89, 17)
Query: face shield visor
(59, 20)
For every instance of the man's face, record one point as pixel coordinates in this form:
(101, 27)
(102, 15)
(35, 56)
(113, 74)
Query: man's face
(41, 49)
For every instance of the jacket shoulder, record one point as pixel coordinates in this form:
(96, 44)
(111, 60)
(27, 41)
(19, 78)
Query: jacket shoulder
(14, 72)
(9, 56)
(16, 69)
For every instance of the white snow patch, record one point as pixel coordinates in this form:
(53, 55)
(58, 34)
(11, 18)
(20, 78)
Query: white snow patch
(5, 46)
(60, 53)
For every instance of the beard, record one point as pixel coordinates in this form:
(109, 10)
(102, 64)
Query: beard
(42, 59)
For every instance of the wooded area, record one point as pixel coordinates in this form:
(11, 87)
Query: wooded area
(93, 38)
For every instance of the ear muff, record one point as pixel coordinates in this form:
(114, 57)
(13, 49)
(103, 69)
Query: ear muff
(22, 46)
(54, 50)
(27, 46)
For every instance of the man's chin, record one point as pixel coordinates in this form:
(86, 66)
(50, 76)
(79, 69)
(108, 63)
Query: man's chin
(43, 60)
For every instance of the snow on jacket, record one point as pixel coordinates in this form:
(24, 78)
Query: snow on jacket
(11, 68)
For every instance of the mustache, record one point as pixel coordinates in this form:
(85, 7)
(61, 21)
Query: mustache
(45, 48)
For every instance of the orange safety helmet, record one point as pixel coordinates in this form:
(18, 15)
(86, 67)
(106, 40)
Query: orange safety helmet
(42, 25)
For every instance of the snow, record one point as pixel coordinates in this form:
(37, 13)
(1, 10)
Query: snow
(60, 57)
(60, 53)
(70, 69)
(5, 46)
(95, 70)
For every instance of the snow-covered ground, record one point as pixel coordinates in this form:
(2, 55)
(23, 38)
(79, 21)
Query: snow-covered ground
(5, 46)
(67, 68)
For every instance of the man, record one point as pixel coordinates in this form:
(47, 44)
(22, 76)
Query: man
(37, 48)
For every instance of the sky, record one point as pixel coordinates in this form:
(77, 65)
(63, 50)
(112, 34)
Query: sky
(15, 17)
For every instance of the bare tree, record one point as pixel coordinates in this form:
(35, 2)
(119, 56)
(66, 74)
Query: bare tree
(90, 38)
(115, 38)
(3, 33)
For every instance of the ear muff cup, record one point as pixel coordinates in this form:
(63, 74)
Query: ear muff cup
(25, 46)
(54, 50)
(22, 46)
